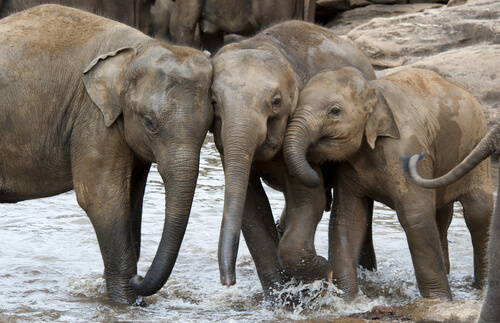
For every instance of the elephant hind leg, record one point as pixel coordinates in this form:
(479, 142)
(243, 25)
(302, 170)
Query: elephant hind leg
(444, 216)
(478, 209)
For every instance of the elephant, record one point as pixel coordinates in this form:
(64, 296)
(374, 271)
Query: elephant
(364, 126)
(255, 88)
(135, 13)
(160, 18)
(211, 19)
(88, 104)
(489, 146)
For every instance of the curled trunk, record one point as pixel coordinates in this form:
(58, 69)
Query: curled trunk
(179, 172)
(297, 141)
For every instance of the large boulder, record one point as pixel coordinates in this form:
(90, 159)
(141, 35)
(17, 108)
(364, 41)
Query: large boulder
(461, 42)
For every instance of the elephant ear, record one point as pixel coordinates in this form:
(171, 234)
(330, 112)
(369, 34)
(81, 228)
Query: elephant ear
(381, 120)
(103, 79)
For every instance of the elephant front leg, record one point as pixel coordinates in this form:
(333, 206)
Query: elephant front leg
(105, 197)
(419, 223)
(348, 224)
(304, 210)
(261, 237)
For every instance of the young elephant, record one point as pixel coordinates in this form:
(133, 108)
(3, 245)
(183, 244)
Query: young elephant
(366, 126)
(87, 103)
(255, 90)
(489, 146)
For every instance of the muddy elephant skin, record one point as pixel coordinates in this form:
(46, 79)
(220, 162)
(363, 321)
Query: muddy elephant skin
(254, 91)
(87, 103)
(214, 18)
(489, 146)
(135, 13)
(366, 126)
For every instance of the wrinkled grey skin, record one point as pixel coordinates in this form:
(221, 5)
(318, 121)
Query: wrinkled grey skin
(366, 126)
(211, 19)
(135, 13)
(489, 146)
(254, 91)
(89, 106)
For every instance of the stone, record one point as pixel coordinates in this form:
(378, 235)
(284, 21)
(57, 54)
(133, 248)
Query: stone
(460, 42)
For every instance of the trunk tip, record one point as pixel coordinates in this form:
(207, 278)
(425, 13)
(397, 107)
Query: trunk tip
(135, 282)
(227, 281)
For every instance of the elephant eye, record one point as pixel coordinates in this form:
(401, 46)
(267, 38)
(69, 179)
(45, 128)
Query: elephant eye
(148, 122)
(334, 111)
(275, 104)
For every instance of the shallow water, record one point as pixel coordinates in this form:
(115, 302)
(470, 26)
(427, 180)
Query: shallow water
(51, 267)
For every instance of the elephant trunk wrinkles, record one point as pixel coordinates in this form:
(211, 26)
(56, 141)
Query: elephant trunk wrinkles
(297, 141)
(489, 145)
(240, 143)
(179, 172)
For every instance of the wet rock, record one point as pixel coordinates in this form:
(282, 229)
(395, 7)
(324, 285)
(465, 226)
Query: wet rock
(424, 311)
(461, 42)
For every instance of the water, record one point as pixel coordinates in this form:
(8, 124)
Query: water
(51, 267)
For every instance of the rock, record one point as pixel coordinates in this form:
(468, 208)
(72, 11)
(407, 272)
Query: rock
(461, 42)
(476, 68)
(348, 20)
(424, 311)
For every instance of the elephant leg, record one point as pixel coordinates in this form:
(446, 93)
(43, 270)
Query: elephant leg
(478, 209)
(347, 230)
(261, 237)
(104, 195)
(297, 253)
(367, 257)
(491, 304)
(212, 41)
(419, 223)
(444, 215)
(138, 186)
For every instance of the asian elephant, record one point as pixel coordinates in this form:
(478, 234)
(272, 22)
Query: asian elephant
(135, 13)
(211, 19)
(489, 146)
(255, 89)
(365, 126)
(87, 103)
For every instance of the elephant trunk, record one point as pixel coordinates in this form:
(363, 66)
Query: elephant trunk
(240, 142)
(179, 171)
(489, 145)
(298, 139)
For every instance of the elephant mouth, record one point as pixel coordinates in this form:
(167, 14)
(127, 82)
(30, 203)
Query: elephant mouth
(268, 149)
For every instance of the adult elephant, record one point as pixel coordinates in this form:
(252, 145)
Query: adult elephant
(211, 19)
(135, 13)
(489, 146)
(366, 126)
(254, 92)
(87, 103)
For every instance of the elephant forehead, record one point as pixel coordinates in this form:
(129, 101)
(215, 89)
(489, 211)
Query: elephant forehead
(248, 61)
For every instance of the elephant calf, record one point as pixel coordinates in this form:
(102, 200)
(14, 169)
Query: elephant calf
(366, 126)
(489, 146)
(87, 103)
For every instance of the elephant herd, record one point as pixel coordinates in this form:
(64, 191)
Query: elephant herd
(88, 104)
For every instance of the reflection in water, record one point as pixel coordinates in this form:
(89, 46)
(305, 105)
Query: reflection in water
(51, 268)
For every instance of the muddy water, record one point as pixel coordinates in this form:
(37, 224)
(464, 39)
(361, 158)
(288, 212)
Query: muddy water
(51, 268)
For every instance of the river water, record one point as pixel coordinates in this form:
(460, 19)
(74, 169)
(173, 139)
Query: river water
(51, 268)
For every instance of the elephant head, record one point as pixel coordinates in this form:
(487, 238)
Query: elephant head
(160, 97)
(254, 91)
(337, 112)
